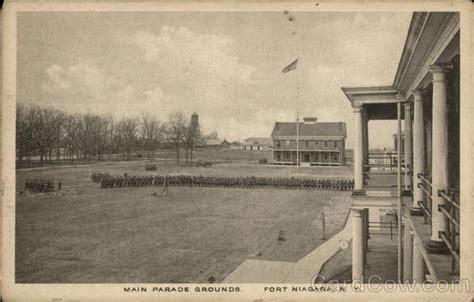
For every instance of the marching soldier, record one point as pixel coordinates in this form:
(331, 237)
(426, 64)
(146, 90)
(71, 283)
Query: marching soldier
(165, 186)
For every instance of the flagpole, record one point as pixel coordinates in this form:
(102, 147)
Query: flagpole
(297, 125)
(289, 68)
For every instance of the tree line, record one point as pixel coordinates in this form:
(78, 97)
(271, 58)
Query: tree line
(53, 134)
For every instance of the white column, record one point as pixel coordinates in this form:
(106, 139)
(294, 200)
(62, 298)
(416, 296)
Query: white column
(358, 151)
(407, 254)
(366, 134)
(440, 154)
(365, 141)
(357, 246)
(399, 191)
(408, 146)
(418, 263)
(418, 151)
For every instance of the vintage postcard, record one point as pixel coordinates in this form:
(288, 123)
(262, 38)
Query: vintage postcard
(251, 151)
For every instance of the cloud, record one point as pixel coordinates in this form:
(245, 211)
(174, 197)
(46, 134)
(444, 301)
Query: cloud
(198, 72)
(231, 76)
(183, 53)
(85, 87)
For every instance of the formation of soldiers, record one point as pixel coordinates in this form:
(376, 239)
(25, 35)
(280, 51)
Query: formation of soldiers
(39, 185)
(227, 182)
(97, 177)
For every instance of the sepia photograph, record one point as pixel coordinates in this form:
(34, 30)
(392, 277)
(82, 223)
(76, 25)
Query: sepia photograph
(299, 150)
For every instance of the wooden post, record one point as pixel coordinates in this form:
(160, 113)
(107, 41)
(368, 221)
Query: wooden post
(391, 233)
(323, 221)
(365, 221)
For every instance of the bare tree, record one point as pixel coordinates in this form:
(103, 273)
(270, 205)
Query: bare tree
(39, 131)
(151, 133)
(44, 124)
(176, 131)
(127, 131)
(23, 131)
(72, 128)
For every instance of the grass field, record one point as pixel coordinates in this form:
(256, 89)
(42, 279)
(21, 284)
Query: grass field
(85, 234)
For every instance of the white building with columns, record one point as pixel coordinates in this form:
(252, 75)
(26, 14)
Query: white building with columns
(425, 100)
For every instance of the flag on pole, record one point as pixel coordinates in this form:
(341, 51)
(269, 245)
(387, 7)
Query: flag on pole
(291, 66)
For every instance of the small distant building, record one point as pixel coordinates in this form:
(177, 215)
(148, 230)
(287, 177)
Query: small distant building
(212, 144)
(236, 146)
(319, 143)
(258, 143)
(225, 145)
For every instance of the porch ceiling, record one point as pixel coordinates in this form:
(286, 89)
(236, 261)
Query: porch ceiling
(379, 103)
(386, 111)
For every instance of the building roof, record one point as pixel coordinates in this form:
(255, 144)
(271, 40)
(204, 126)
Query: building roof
(316, 129)
(212, 142)
(262, 141)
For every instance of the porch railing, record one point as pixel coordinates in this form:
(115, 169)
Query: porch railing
(426, 203)
(387, 160)
(419, 244)
(451, 211)
(384, 228)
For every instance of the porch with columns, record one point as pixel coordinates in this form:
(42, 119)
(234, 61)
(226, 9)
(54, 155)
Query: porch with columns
(420, 247)
(425, 95)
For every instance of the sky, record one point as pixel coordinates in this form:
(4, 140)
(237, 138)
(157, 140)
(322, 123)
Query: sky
(226, 66)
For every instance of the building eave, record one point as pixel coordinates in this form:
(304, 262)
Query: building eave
(417, 23)
(374, 94)
(433, 38)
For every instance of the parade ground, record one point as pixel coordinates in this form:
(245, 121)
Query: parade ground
(85, 234)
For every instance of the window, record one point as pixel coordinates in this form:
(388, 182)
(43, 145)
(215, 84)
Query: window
(306, 144)
(325, 144)
(287, 144)
(277, 143)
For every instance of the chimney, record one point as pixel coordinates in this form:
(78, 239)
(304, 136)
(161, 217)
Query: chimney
(310, 120)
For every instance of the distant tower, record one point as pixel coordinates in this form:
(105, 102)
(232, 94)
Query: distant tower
(195, 121)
